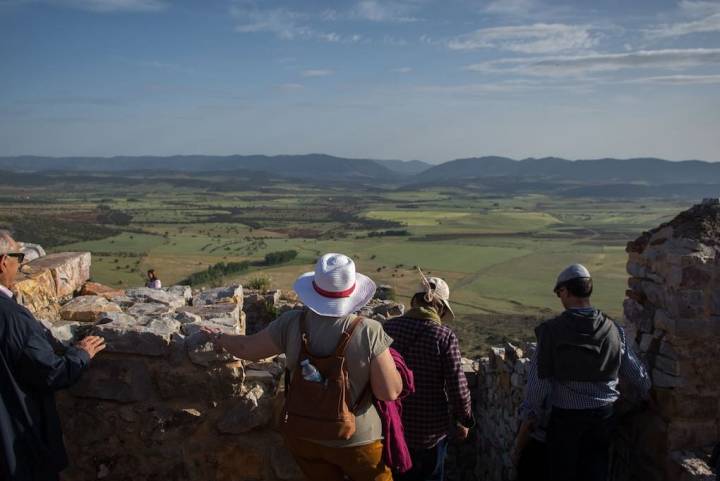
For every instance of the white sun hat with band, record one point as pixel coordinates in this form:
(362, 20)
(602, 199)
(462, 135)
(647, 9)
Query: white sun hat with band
(334, 288)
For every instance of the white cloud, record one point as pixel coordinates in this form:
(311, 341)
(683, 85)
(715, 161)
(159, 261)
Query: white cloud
(284, 24)
(402, 70)
(671, 59)
(394, 41)
(279, 21)
(291, 87)
(511, 7)
(680, 80)
(540, 38)
(707, 24)
(481, 88)
(699, 8)
(700, 16)
(385, 11)
(105, 6)
(317, 72)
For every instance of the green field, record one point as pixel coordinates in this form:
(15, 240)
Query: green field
(500, 254)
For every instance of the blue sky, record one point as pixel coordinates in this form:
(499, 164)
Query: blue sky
(408, 79)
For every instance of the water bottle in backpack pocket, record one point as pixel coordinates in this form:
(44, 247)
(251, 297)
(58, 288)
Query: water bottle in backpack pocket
(310, 372)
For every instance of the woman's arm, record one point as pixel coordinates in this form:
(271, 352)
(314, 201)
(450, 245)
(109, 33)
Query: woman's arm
(384, 377)
(253, 347)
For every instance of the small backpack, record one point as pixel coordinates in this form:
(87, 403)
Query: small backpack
(321, 410)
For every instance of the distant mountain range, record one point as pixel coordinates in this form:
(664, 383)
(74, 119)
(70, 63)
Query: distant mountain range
(297, 166)
(640, 170)
(488, 173)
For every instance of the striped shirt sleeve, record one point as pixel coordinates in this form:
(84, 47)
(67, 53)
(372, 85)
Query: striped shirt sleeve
(536, 392)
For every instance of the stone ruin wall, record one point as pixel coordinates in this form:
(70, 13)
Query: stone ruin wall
(160, 404)
(672, 311)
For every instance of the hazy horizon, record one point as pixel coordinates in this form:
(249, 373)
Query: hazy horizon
(431, 162)
(383, 79)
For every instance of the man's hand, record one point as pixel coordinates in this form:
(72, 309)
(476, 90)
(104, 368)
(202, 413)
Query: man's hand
(92, 345)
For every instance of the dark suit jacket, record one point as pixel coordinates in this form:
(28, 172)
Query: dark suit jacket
(31, 444)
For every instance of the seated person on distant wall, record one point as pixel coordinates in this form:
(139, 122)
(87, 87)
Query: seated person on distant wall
(580, 357)
(153, 282)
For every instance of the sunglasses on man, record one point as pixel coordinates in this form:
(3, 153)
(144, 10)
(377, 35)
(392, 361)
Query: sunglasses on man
(20, 256)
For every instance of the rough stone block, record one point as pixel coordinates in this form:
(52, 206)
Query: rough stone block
(97, 289)
(251, 412)
(123, 334)
(181, 291)
(688, 434)
(121, 380)
(87, 308)
(158, 296)
(698, 328)
(204, 353)
(184, 317)
(663, 321)
(38, 293)
(231, 294)
(665, 380)
(70, 270)
(63, 331)
(667, 365)
(687, 304)
(149, 310)
(696, 276)
(211, 311)
(674, 404)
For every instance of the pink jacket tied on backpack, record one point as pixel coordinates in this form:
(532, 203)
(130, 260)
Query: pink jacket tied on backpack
(395, 450)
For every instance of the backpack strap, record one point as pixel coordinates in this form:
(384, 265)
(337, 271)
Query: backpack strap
(346, 335)
(340, 351)
(304, 336)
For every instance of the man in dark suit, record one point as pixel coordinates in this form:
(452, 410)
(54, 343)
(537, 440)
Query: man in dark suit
(31, 444)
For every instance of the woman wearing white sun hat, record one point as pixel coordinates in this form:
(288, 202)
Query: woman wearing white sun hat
(331, 294)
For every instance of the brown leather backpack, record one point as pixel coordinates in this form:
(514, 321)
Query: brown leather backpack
(321, 410)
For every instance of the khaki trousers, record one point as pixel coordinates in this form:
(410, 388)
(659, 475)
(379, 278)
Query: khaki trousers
(322, 463)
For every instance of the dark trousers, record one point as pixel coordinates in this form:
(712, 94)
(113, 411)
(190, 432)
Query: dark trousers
(428, 464)
(579, 444)
(532, 465)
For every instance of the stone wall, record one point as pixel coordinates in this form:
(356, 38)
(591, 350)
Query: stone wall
(672, 311)
(159, 402)
(501, 385)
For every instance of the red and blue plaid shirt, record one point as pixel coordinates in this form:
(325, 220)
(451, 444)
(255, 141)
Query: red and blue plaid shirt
(432, 352)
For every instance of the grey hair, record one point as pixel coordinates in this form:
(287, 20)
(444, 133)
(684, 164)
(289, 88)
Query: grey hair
(6, 241)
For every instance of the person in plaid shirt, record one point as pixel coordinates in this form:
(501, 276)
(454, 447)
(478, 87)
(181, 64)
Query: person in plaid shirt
(432, 352)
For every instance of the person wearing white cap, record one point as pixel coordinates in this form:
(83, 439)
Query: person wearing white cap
(332, 293)
(580, 358)
(431, 350)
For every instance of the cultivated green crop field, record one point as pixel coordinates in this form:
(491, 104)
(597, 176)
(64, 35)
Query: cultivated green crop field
(499, 254)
